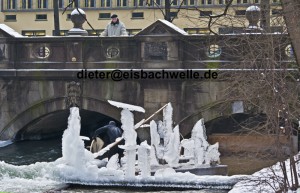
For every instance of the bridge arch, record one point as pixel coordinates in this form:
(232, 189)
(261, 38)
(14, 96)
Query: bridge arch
(28, 121)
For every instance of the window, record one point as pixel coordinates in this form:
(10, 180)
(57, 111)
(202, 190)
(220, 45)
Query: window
(133, 31)
(105, 3)
(206, 2)
(138, 15)
(174, 2)
(89, 3)
(61, 32)
(245, 1)
(221, 2)
(276, 11)
(240, 12)
(197, 30)
(73, 4)
(205, 13)
(42, 17)
(10, 18)
(256, 1)
(275, 1)
(26, 4)
(138, 3)
(122, 3)
(42, 3)
(11, 4)
(104, 15)
(61, 3)
(173, 14)
(33, 32)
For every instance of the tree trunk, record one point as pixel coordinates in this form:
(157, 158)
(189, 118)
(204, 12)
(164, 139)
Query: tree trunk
(265, 15)
(291, 13)
(167, 10)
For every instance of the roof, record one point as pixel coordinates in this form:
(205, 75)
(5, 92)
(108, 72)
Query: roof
(162, 27)
(7, 31)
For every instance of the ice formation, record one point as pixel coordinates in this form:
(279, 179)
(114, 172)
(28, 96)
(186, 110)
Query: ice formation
(171, 137)
(79, 166)
(144, 161)
(205, 153)
(155, 147)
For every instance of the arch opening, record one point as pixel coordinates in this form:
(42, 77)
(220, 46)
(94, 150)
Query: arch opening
(52, 125)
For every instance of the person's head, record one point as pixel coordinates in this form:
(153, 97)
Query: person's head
(114, 18)
(112, 123)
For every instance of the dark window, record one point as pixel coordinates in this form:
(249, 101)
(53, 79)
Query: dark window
(205, 13)
(104, 15)
(26, 4)
(174, 2)
(276, 11)
(138, 2)
(245, 1)
(11, 4)
(42, 3)
(238, 1)
(138, 15)
(60, 3)
(10, 17)
(240, 12)
(41, 17)
(221, 2)
(173, 14)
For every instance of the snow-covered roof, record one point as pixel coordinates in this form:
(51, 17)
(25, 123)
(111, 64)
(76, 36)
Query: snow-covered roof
(75, 11)
(9, 31)
(169, 28)
(171, 25)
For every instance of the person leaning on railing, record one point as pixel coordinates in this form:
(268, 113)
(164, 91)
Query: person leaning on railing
(115, 28)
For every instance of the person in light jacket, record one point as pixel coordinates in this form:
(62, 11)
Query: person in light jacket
(115, 28)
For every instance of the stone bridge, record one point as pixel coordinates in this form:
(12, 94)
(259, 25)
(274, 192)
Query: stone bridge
(36, 75)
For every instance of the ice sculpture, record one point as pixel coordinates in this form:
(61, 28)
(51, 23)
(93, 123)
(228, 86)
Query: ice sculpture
(129, 135)
(144, 161)
(171, 138)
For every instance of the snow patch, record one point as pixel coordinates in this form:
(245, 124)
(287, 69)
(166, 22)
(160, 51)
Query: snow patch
(171, 25)
(126, 106)
(10, 31)
(76, 12)
(253, 8)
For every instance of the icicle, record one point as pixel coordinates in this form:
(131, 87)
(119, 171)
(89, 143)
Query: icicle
(144, 161)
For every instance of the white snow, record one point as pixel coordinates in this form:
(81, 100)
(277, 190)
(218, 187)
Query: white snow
(144, 159)
(155, 140)
(253, 8)
(5, 143)
(75, 11)
(77, 30)
(171, 25)
(265, 180)
(126, 106)
(171, 137)
(10, 31)
(203, 152)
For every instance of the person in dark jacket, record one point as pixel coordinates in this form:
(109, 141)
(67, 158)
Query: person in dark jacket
(109, 133)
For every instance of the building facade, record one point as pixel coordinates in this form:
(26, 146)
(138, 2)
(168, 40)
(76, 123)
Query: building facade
(35, 17)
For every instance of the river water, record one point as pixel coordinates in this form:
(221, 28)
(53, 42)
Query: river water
(26, 166)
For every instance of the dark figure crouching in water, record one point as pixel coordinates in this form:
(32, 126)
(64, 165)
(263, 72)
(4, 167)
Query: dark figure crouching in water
(109, 133)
